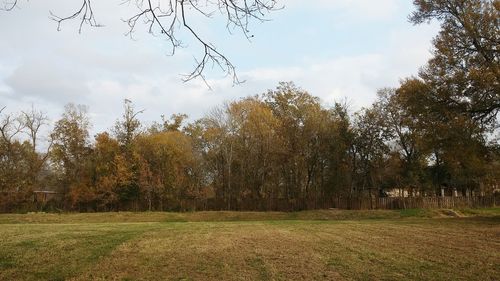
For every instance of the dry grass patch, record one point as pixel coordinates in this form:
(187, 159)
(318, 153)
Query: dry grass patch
(216, 251)
(298, 250)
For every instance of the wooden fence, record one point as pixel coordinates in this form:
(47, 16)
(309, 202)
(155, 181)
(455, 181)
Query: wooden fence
(396, 203)
(10, 203)
(348, 203)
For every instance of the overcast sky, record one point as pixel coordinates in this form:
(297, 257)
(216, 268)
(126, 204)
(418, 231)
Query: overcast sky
(335, 49)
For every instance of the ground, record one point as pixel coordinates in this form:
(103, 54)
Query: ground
(314, 245)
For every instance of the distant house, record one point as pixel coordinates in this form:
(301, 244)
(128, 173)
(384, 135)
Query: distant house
(396, 192)
(400, 192)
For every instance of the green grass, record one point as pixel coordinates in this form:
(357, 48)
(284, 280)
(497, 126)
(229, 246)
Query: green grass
(130, 217)
(313, 245)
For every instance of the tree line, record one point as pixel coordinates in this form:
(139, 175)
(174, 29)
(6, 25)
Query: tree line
(282, 144)
(438, 129)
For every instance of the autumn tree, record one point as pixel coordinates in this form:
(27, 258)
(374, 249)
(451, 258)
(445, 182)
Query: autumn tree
(12, 162)
(341, 156)
(71, 149)
(15, 163)
(305, 129)
(370, 149)
(129, 126)
(174, 123)
(256, 147)
(219, 140)
(106, 179)
(404, 136)
(464, 73)
(443, 133)
(167, 168)
(33, 122)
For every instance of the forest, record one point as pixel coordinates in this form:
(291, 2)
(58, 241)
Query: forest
(437, 129)
(283, 144)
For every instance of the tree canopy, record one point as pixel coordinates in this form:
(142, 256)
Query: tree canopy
(465, 70)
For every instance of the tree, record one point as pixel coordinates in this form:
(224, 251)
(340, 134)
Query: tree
(22, 167)
(167, 18)
(129, 127)
(403, 131)
(219, 137)
(256, 147)
(370, 149)
(166, 163)
(280, 150)
(105, 174)
(341, 154)
(302, 124)
(169, 125)
(464, 73)
(71, 149)
(14, 159)
(443, 133)
(10, 127)
(33, 120)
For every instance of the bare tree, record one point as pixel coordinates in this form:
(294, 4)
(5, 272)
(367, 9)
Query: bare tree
(33, 120)
(28, 122)
(166, 18)
(10, 126)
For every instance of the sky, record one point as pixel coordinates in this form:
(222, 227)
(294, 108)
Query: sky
(335, 49)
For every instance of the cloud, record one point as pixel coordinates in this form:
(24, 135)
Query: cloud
(101, 67)
(346, 77)
(351, 10)
(356, 77)
(43, 80)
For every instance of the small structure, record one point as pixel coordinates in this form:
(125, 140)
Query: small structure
(43, 196)
(398, 192)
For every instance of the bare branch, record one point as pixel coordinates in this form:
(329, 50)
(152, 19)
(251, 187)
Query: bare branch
(9, 6)
(33, 120)
(165, 18)
(10, 126)
(85, 12)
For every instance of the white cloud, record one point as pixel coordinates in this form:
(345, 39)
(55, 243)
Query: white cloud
(101, 67)
(351, 10)
(357, 77)
(48, 81)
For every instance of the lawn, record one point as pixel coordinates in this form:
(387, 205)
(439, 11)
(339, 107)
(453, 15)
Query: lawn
(313, 245)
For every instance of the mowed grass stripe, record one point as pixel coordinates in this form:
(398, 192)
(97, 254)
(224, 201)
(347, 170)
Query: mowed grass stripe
(58, 252)
(414, 252)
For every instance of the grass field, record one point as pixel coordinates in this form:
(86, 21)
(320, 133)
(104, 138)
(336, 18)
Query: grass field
(313, 245)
